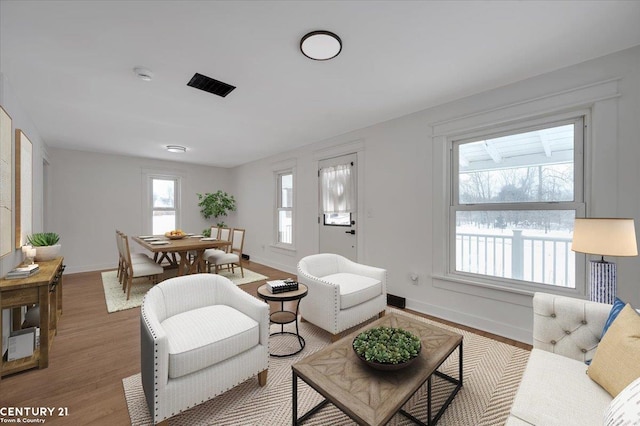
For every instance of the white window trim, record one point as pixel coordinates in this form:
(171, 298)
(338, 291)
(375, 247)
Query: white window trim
(279, 208)
(599, 100)
(147, 191)
(578, 117)
(280, 168)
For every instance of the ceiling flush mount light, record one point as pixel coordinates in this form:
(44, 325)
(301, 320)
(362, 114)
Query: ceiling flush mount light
(321, 45)
(143, 73)
(176, 148)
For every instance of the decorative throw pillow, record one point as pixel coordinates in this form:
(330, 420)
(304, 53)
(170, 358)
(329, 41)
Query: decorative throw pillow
(624, 410)
(613, 314)
(616, 362)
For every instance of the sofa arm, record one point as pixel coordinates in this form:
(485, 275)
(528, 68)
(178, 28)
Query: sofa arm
(154, 361)
(252, 307)
(322, 303)
(568, 326)
(368, 271)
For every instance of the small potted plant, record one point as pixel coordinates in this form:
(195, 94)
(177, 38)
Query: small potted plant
(216, 204)
(46, 245)
(387, 348)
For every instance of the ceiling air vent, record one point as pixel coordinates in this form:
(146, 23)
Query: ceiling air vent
(210, 85)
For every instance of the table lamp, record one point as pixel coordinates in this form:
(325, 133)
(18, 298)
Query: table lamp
(604, 237)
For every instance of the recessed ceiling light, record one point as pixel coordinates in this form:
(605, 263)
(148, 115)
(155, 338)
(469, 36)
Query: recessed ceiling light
(321, 45)
(176, 148)
(143, 73)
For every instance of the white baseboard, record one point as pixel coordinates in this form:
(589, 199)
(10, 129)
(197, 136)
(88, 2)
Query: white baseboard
(490, 326)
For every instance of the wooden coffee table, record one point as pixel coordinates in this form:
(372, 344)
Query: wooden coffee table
(372, 397)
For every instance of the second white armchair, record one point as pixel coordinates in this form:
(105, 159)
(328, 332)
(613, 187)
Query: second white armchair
(342, 293)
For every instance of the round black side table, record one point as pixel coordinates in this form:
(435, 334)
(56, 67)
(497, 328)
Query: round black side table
(282, 316)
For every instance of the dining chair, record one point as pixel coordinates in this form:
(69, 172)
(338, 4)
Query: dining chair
(215, 233)
(233, 258)
(225, 235)
(135, 258)
(140, 268)
(222, 234)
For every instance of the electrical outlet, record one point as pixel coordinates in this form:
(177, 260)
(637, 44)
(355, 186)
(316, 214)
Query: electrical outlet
(415, 278)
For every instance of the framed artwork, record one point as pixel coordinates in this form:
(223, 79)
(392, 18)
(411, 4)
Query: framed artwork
(6, 188)
(24, 187)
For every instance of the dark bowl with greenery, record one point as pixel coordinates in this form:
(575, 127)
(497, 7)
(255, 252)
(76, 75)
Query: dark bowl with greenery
(387, 348)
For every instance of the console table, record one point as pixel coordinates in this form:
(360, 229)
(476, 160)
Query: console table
(44, 289)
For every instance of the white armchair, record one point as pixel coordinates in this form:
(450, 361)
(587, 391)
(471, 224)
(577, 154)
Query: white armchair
(342, 293)
(200, 336)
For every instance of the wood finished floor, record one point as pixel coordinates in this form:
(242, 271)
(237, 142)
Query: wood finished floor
(95, 350)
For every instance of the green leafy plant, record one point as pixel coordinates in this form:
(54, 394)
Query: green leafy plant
(387, 345)
(206, 232)
(42, 239)
(216, 204)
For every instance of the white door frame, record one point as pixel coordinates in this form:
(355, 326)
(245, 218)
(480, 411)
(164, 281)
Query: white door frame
(353, 147)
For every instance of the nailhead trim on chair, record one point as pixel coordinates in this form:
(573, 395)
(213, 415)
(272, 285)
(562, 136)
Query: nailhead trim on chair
(211, 395)
(336, 295)
(155, 351)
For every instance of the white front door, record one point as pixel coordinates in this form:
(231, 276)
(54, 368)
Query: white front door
(337, 226)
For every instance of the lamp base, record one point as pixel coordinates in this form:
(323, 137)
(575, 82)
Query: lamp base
(603, 282)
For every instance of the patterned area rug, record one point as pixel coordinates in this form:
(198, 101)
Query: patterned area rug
(116, 299)
(492, 373)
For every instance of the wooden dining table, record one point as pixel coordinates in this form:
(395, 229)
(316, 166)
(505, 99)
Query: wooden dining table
(182, 247)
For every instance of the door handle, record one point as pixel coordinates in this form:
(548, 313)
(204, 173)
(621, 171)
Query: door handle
(352, 232)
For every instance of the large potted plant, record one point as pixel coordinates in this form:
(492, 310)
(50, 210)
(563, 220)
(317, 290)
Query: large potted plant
(46, 245)
(216, 204)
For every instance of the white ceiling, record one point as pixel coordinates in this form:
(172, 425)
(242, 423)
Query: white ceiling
(70, 63)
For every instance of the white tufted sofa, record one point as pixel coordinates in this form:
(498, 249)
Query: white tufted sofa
(342, 293)
(200, 336)
(555, 389)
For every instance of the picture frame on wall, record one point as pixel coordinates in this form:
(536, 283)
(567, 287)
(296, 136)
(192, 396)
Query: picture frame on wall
(24, 188)
(6, 186)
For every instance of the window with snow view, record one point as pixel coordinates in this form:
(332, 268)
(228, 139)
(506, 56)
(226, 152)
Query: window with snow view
(515, 195)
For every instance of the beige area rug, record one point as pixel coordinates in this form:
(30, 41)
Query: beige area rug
(492, 373)
(117, 300)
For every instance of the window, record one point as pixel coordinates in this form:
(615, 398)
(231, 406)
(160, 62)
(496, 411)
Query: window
(337, 186)
(515, 195)
(285, 207)
(337, 219)
(164, 204)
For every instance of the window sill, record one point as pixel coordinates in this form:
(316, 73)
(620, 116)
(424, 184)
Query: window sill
(288, 249)
(497, 289)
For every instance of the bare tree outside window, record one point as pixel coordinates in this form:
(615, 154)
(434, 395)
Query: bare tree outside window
(515, 203)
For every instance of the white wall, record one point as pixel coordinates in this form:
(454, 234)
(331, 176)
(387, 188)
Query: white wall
(92, 194)
(95, 194)
(399, 192)
(20, 120)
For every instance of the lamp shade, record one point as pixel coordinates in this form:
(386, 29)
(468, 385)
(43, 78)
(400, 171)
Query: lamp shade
(605, 237)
